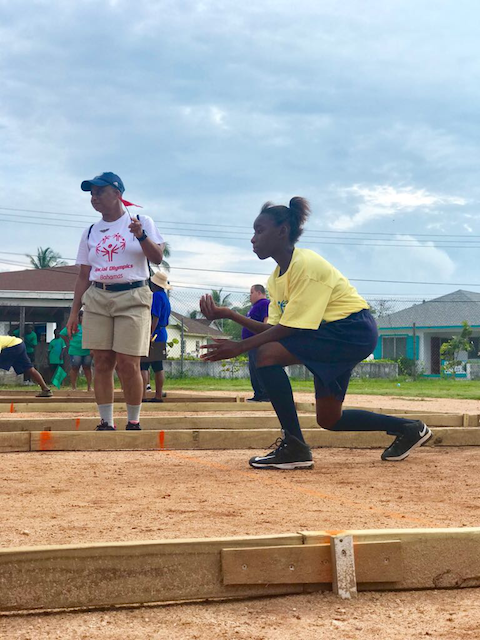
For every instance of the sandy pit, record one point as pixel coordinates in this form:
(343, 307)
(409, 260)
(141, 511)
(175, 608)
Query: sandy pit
(76, 497)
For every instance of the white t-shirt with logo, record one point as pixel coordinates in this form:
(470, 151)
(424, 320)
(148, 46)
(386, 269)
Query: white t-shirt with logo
(114, 253)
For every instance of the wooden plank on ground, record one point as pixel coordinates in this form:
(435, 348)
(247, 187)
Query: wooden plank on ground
(376, 561)
(14, 442)
(125, 573)
(22, 398)
(217, 439)
(71, 406)
(430, 558)
(111, 440)
(103, 575)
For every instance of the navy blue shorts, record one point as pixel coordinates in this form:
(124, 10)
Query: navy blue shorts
(332, 351)
(157, 366)
(15, 357)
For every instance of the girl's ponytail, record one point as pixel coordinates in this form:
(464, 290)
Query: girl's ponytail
(295, 214)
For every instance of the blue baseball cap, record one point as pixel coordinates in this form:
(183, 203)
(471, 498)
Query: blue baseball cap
(103, 180)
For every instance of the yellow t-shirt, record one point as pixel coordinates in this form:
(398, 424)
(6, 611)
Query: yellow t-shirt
(8, 341)
(311, 290)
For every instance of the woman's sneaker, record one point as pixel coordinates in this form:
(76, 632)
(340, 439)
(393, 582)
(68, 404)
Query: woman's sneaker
(45, 393)
(133, 426)
(414, 436)
(290, 453)
(104, 426)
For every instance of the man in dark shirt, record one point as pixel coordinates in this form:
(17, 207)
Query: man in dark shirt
(258, 311)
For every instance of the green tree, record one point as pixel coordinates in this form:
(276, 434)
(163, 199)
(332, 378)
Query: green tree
(450, 350)
(218, 300)
(231, 328)
(46, 259)
(221, 302)
(166, 254)
(381, 308)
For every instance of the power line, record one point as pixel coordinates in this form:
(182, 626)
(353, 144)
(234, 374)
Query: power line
(353, 243)
(202, 224)
(257, 273)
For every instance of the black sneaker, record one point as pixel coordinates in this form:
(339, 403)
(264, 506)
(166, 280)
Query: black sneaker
(257, 399)
(414, 436)
(290, 453)
(104, 426)
(133, 426)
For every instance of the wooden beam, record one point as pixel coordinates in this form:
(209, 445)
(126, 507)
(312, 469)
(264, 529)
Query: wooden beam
(310, 563)
(194, 437)
(14, 442)
(103, 575)
(125, 573)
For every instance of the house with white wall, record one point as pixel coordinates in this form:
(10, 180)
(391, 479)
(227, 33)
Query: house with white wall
(418, 332)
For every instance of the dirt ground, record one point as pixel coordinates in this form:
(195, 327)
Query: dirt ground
(72, 497)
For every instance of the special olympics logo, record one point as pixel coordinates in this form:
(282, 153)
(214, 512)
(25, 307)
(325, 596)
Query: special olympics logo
(110, 246)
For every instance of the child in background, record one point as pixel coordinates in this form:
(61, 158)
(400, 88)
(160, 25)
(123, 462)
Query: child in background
(13, 354)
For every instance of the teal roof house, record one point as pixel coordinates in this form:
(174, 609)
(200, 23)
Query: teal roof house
(431, 323)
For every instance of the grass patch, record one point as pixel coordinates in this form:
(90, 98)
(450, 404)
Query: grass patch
(401, 387)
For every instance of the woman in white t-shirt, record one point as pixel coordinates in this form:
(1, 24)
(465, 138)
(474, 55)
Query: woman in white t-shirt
(113, 284)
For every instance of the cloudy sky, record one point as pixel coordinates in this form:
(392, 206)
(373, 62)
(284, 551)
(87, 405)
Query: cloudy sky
(209, 108)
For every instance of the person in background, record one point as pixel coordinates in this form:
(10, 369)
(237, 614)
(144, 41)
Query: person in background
(41, 357)
(160, 314)
(259, 312)
(30, 339)
(79, 357)
(56, 352)
(14, 354)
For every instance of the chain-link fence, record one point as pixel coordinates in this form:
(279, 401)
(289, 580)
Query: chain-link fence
(425, 337)
(428, 337)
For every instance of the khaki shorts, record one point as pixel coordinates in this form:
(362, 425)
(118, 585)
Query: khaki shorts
(117, 321)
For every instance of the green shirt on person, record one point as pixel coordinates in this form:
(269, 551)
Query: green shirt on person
(75, 347)
(55, 348)
(30, 340)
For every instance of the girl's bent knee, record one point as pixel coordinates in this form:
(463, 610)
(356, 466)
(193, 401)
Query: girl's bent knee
(327, 422)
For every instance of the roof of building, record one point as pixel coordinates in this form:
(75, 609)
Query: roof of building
(54, 279)
(64, 278)
(450, 310)
(197, 327)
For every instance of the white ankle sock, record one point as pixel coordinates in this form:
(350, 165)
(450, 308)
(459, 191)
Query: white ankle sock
(106, 413)
(133, 412)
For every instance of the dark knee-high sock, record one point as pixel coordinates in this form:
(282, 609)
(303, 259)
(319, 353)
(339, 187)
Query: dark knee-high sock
(279, 390)
(358, 420)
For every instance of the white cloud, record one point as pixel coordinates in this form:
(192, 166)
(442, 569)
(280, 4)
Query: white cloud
(384, 201)
(416, 262)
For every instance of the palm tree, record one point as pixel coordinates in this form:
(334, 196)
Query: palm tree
(46, 259)
(166, 254)
(220, 302)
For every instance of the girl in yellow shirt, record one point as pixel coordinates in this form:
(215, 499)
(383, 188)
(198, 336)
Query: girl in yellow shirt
(13, 354)
(316, 318)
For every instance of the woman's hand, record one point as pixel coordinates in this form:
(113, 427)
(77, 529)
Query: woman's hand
(72, 325)
(221, 350)
(210, 310)
(135, 227)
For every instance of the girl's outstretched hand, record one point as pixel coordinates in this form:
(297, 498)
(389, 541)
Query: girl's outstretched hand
(210, 310)
(221, 349)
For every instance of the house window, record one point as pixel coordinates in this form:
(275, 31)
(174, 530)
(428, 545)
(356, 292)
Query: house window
(197, 347)
(394, 348)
